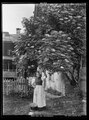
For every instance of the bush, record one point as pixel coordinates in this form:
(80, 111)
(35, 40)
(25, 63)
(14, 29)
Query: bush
(54, 92)
(30, 91)
(21, 94)
(80, 94)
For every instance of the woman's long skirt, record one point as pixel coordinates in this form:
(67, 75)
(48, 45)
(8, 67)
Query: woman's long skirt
(39, 96)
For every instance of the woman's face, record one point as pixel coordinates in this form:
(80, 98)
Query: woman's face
(37, 74)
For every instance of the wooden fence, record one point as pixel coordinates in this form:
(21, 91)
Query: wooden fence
(11, 85)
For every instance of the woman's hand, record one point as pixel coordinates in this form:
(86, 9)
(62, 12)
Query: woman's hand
(34, 85)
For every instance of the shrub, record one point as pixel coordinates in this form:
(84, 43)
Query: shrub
(54, 92)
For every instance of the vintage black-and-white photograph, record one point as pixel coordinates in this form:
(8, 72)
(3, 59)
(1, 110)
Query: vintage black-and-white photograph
(44, 59)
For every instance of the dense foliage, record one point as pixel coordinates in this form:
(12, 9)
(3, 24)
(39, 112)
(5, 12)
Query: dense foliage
(55, 37)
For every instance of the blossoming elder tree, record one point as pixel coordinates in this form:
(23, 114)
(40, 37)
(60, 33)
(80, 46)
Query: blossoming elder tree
(55, 38)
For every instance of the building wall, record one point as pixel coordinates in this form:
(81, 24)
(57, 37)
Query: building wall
(8, 47)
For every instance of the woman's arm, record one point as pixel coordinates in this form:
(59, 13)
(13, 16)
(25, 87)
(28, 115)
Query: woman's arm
(33, 83)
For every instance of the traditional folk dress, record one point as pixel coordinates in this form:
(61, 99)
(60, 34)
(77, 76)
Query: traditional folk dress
(39, 94)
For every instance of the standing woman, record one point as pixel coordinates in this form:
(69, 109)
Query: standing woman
(39, 94)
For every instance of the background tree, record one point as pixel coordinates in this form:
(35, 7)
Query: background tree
(55, 38)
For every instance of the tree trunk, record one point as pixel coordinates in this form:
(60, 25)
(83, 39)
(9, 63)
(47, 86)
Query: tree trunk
(70, 77)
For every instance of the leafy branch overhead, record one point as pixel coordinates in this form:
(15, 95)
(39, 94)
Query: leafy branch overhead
(55, 36)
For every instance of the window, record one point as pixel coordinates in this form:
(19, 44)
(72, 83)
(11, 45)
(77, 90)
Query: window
(5, 65)
(9, 52)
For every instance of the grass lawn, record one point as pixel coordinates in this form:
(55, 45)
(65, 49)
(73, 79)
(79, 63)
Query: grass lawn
(70, 105)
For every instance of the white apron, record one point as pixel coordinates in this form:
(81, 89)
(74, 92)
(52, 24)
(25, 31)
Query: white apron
(39, 96)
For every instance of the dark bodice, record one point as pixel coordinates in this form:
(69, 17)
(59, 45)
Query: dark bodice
(38, 81)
